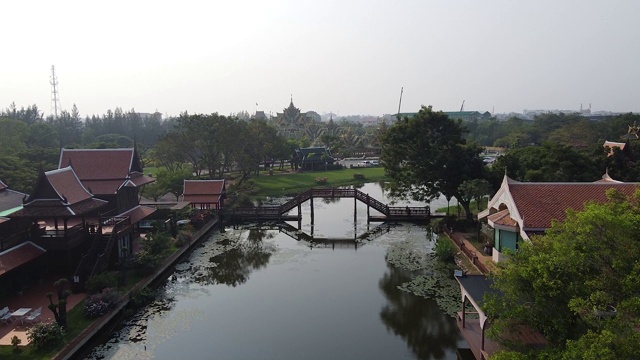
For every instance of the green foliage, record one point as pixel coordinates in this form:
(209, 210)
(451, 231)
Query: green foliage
(172, 181)
(97, 283)
(15, 342)
(427, 155)
(556, 282)
(183, 238)
(358, 176)
(444, 249)
(547, 163)
(154, 250)
(45, 335)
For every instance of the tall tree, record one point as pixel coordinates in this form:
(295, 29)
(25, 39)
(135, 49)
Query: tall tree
(427, 155)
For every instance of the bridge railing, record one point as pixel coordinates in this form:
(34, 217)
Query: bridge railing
(409, 211)
(277, 210)
(374, 203)
(295, 201)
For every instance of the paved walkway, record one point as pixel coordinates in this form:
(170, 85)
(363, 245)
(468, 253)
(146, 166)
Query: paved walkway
(33, 297)
(484, 263)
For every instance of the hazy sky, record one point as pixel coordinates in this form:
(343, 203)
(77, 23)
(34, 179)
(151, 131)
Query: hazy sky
(348, 56)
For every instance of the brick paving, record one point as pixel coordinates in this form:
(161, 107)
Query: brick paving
(33, 297)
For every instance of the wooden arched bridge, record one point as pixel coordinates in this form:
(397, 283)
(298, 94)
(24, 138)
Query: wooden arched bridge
(281, 212)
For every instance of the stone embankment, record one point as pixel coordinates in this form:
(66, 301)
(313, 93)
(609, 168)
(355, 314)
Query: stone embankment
(107, 321)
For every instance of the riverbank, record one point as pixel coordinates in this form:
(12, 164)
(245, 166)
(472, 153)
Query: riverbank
(106, 321)
(288, 183)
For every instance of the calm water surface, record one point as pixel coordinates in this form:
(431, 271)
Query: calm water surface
(270, 296)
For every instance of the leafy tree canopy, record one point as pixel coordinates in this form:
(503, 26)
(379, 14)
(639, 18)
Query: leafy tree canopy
(579, 284)
(427, 155)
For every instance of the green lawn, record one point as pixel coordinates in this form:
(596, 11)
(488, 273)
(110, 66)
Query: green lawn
(281, 184)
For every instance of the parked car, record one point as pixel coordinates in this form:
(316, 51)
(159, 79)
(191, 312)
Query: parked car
(365, 163)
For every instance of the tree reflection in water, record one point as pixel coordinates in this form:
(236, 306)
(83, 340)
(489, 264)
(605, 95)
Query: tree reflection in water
(234, 266)
(427, 330)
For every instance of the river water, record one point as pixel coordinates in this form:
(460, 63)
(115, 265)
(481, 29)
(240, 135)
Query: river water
(259, 293)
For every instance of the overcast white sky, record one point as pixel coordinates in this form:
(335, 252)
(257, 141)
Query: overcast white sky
(348, 56)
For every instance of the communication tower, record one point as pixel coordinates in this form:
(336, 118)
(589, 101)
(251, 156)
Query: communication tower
(55, 97)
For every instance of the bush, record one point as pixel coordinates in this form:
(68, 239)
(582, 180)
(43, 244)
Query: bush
(15, 342)
(183, 238)
(322, 180)
(358, 176)
(45, 335)
(100, 304)
(445, 250)
(97, 283)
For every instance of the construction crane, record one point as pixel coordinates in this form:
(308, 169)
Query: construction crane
(462, 106)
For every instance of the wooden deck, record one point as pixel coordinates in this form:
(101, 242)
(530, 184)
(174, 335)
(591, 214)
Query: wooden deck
(473, 334)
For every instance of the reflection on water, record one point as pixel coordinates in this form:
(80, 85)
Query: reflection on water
(259, 293)
(428, 331)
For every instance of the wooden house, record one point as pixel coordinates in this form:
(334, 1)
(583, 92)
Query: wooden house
(204, 194)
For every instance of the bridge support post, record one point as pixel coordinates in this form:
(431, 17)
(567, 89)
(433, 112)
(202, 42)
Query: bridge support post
(311, 201)
(355, 211)
(368, 207)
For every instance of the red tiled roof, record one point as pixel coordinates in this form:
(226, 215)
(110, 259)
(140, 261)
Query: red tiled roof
(539, 203)
(19, 255)
(140, 179)
(203, 191)
(502, 218)
(67, 185)
(59, 193)
(104, 171)
(138, 213)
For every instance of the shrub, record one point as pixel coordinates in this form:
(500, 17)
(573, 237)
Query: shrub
(358, 176)
(97, 283)
(322, 180)
(44, 335)
(444, 249)
(99, 304)
(15, 342)
(183, 238)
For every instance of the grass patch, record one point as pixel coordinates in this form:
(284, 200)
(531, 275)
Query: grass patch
(291, 183)
(453, 209)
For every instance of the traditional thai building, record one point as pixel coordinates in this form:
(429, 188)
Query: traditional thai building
(204, 194)
(116, 176)
(520, 210)
(312, 158)
(59, 211)
(292, 123)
